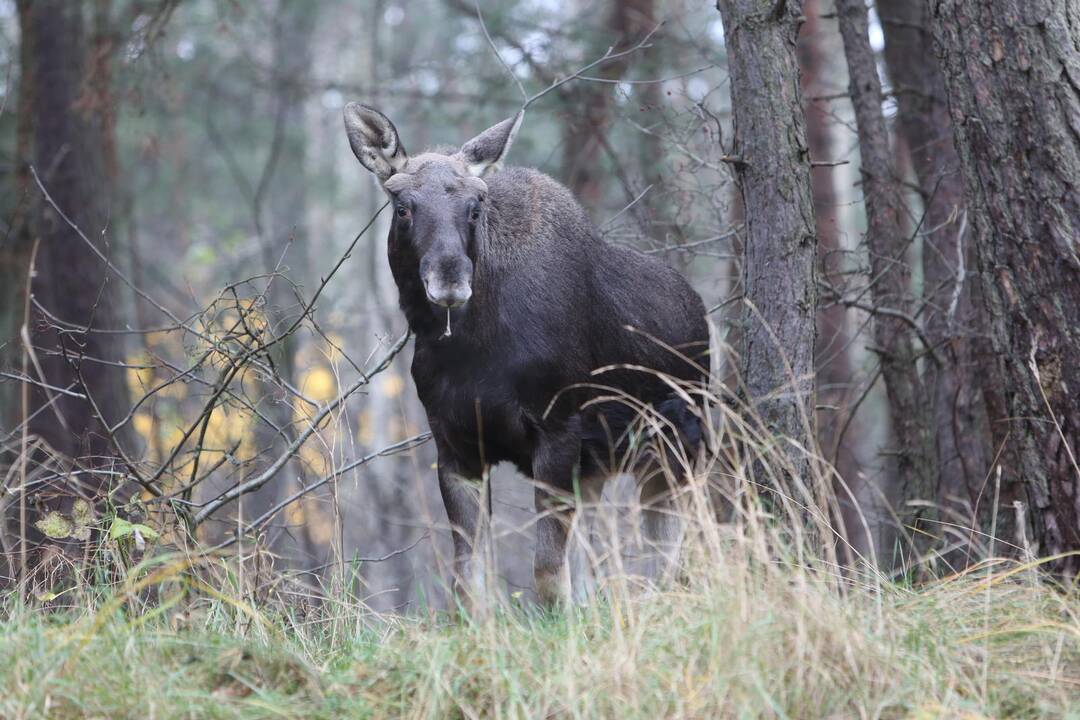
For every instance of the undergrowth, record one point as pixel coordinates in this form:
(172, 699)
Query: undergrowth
(762, 619)
(740, 638)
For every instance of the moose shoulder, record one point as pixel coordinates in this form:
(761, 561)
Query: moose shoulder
(536, 342)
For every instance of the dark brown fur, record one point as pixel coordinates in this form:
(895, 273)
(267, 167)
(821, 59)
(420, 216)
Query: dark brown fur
(549, 303)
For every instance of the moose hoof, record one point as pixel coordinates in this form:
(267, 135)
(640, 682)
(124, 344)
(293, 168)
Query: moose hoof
(552, 585)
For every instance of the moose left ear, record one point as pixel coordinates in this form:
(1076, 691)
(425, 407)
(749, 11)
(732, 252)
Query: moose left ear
(374, 140)
(485, 152)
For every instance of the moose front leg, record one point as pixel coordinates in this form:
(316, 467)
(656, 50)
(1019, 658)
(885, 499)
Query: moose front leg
(462, 492)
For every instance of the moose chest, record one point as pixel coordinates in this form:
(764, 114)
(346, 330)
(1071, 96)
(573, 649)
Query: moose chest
(479, 406)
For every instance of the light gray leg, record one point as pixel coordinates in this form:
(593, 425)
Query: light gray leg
(662, 527)
(461, 495)
(582, 555)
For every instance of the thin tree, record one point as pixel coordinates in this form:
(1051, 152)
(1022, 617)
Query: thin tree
(951, 307)
(773, 171)
(895, 325)
(284, 245)
(589, 112)
(833, 352)
(1012, 75)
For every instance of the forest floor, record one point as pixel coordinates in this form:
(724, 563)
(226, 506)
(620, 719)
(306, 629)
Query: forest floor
(745, 639)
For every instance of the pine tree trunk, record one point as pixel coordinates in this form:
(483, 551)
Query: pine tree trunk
(890, 279)
(589, 108)
(1012, 75)
(833, 351)
(952, 310)
(773, 171)
(70, 134)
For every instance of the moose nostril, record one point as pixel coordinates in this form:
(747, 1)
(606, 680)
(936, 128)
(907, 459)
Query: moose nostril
(447, 295)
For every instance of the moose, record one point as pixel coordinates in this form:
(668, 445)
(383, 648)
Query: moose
(536, 342)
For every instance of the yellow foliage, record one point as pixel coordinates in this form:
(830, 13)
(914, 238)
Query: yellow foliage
(144, 426)
(229, 426)
(139, 379)
(365, 432)
(319, 384)
(314, 459)
(320, 523)
(294, 514)
(391, 385)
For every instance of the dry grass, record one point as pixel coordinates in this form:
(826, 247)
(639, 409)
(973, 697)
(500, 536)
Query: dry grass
(761, 621)
(747, 631)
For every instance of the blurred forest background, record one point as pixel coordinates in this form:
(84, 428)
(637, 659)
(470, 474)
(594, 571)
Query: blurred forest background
(209, 336)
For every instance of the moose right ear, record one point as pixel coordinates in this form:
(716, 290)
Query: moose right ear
(374, 140)
(485, 152)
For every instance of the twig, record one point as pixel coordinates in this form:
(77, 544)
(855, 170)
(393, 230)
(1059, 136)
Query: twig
(393, 449)
(606, 57)
(46, 386)
(264, 477)
(509, 70)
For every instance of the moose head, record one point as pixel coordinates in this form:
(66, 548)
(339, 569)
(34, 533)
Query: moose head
(438, 199)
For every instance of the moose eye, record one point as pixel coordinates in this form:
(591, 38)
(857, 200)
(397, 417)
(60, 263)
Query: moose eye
(474, 213)
(402, 211)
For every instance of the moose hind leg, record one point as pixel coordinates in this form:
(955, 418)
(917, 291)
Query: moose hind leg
(550, 570)
(554, 463)
(662, 528)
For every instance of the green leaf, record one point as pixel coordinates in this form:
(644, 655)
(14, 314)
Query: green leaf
(120, 528)
(146, 531)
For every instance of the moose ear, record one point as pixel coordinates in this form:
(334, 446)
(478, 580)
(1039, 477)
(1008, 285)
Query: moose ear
(485, 152)
(374, 140)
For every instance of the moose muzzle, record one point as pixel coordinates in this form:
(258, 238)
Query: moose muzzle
(448, 281)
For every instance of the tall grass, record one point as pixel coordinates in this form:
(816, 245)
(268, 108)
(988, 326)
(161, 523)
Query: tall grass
(760, 620)
(736, 638)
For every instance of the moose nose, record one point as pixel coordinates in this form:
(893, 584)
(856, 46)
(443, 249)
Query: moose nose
(448, 295)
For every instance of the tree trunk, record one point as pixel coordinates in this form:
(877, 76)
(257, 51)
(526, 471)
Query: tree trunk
(285, 248)
(890, 282)
(833, 349)
(953, 312)
(1012, 75)
(589, 106)
(15, 248)
(70, 132)
(657, 209)
(773, 171)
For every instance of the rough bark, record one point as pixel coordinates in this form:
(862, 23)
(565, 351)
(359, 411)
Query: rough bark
(773, 171)
(833, 348)
(890, 279)
(952, 310)
(1012, 75)
(70, 133)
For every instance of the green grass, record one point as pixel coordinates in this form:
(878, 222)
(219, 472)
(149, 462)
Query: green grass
(746, 637)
